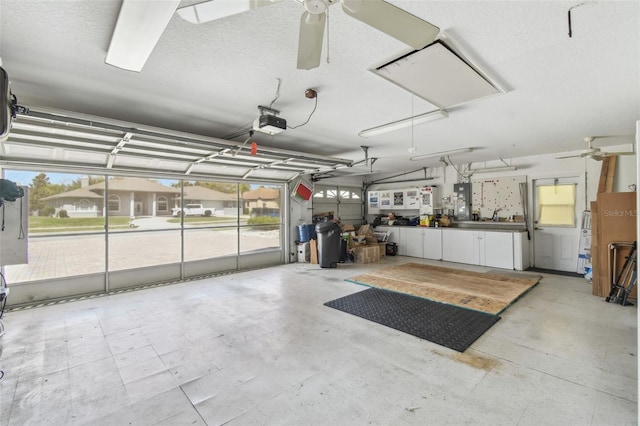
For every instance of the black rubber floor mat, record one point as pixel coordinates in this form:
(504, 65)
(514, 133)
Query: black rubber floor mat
(447, 325)
(554, 272)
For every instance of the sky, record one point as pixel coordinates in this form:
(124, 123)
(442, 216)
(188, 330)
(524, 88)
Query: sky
(24, 178)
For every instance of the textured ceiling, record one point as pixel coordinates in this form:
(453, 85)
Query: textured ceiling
(209, 79)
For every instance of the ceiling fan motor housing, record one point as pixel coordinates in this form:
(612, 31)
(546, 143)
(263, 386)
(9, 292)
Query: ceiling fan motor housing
(316, 7)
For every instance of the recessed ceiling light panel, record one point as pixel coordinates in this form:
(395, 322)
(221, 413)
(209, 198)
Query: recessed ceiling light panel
(437, 75)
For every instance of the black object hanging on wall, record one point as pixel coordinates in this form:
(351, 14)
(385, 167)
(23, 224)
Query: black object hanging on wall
(9, 191)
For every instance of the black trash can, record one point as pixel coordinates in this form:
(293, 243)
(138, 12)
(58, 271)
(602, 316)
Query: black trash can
(328, 244)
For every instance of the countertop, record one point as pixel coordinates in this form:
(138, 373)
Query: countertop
(473, 225)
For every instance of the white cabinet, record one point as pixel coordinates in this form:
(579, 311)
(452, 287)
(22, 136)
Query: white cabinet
(495, 249)
(432, 243)
(397, 235)
(386, 200)
(393, 233)
(412, 198)
(485, 248)
(520, 251)
(398, 199)
(413, 241)
(460, 245)
(373, 200)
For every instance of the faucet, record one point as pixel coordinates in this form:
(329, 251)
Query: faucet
(495, 215)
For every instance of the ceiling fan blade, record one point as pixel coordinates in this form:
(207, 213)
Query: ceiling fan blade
(393, 21)
(216, 9)
(138, 29)
(609, 154)
(310, 40)
(602, 155)
(570, 156)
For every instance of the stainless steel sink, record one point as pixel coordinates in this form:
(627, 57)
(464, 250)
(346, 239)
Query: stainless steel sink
(489, 225)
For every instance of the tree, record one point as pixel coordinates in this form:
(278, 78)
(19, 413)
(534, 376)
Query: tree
(40, 187)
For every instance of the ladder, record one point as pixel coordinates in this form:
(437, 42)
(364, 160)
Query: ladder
(626, 279)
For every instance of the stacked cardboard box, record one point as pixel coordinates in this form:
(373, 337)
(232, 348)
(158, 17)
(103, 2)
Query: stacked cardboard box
(613, 221)
(366, 254)
(367, 249)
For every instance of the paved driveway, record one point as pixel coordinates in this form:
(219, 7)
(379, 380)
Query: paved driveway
(52, 256)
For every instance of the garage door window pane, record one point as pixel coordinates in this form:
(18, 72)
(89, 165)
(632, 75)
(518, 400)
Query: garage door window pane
(261, 229)
(66, 226)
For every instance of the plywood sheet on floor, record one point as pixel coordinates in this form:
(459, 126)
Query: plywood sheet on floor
(487, 292)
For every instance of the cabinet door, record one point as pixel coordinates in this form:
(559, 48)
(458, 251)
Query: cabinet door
(398, 199)
(402, 241)
(414, 241)
(432, 244)
(460, 246)
(373, 202)
(412, 198)
(496, 249)
(520, 251)
(393, 234)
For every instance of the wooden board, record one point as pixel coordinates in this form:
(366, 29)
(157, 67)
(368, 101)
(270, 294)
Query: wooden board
(487, 292)
(607, 174)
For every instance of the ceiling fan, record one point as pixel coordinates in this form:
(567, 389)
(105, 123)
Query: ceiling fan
(595, 153)
(141, 23)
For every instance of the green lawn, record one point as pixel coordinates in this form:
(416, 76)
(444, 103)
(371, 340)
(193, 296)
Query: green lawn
(40, 224)
(203, 219)
(69, 224)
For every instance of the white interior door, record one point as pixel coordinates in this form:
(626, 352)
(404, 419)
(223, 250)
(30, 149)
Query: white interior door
(556, 226)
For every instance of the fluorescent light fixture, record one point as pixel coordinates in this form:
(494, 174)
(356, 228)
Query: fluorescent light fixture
(440, 154)
(406, 122)
(494, 169)
(138, 29)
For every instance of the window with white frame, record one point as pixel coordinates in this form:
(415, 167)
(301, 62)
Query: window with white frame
(114, 203)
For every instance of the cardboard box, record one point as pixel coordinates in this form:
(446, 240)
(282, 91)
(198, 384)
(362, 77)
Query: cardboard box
(382, 249)
(613, 220)
(364, 230)
(366, 254)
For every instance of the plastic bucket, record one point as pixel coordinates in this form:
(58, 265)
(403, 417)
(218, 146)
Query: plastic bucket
(303, 233)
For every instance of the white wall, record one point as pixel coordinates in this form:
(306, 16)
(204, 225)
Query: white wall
(537, 167)
(534, 167)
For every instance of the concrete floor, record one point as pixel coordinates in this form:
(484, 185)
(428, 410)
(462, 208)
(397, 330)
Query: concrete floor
(260, 348)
